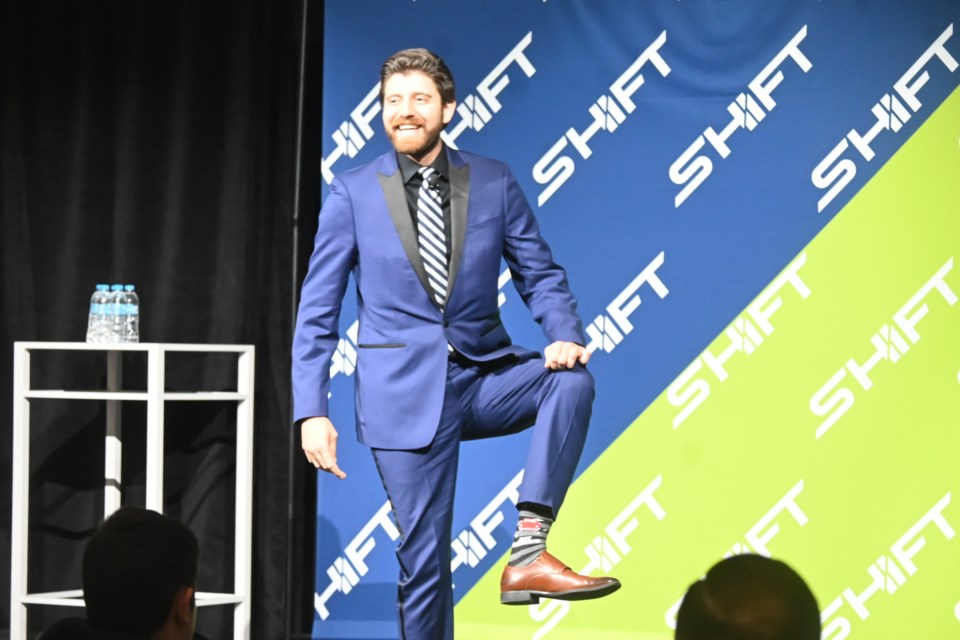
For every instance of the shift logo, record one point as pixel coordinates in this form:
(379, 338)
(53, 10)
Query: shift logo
(746, 334)
(747, 111)
(608, 112)
(890, 343)
(345, 357)
(603, 553)
(346, 571)
(475, 111)
(468, 548)
(758, 537)
(836, 171)
(353, 134)
(608, 330)
(473, 544)
(887, 574)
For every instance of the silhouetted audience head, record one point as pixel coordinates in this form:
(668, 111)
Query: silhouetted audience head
(749, 597)
(139, 576)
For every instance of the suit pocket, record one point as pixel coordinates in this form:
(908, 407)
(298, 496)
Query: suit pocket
(382, 345)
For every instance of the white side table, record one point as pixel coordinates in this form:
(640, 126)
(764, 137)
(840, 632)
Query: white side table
(154, 396)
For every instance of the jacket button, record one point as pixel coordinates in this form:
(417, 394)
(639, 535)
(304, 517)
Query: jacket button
(446, 323)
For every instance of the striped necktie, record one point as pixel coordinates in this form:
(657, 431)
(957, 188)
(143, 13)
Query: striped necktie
(431, 236)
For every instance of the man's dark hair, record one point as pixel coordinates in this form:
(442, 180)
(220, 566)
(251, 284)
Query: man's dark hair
(424, 61)
(749, 597)
(133, 567)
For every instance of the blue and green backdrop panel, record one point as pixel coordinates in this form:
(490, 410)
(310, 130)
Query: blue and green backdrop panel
(758, 206)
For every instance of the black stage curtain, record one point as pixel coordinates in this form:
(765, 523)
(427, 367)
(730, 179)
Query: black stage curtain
(155, 143)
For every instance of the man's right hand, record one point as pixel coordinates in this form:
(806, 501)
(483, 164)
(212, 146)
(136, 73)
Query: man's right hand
(319, 440)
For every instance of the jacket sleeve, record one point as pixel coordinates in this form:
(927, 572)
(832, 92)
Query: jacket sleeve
(321, 296)
(541, 282)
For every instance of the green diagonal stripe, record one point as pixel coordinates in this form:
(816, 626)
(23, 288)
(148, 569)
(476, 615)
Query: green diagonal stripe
(846, 500)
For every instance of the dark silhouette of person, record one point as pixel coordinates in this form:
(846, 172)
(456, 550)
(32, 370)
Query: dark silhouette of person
(139, 581)
(749, 597)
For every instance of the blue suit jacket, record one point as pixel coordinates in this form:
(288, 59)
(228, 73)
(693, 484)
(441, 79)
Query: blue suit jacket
(365, 227)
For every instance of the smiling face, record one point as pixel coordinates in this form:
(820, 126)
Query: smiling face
(414, 114)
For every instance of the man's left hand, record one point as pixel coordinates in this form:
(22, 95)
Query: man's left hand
(564, 355)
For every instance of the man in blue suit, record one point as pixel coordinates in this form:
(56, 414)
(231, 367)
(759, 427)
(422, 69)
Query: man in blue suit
(423, 230)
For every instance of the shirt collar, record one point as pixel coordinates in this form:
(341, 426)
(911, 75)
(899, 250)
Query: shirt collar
(409, 168)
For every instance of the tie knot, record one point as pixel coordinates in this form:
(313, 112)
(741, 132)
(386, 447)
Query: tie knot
(428, 174)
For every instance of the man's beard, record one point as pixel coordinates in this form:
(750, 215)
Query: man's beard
(415, 146)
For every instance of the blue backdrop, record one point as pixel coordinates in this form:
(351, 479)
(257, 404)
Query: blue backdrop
(678, 155)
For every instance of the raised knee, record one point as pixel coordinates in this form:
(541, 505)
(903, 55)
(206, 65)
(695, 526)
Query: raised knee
(577, 380)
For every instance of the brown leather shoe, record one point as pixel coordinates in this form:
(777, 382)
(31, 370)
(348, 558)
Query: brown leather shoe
(547, 577)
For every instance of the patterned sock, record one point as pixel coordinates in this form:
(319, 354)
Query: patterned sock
(529, 539)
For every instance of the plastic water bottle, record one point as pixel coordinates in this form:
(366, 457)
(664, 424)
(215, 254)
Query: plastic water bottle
(97, 324)
(115, 314)
(131, 315)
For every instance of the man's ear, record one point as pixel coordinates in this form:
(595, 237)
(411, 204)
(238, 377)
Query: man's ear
(184, 604)
(447, 112)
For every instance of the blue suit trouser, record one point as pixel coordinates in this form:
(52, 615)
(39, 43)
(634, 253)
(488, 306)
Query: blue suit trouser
(481, 400)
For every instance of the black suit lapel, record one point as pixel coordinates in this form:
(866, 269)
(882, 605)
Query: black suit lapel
(396, 197)
(459, 195)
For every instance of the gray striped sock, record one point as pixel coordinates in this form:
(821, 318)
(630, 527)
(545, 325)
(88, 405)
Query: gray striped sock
(529, 539)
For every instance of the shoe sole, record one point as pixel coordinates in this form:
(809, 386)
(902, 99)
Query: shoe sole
(533, 597)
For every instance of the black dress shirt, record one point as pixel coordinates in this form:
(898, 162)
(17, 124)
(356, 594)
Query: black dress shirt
(409, 171)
